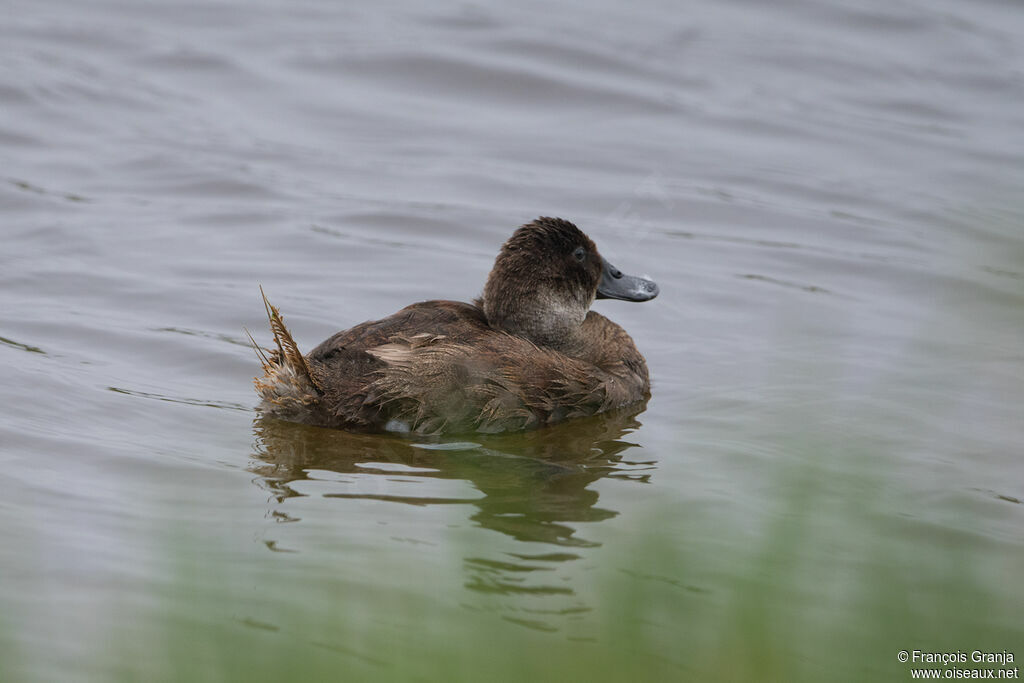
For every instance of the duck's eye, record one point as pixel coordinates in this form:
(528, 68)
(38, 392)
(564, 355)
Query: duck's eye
(579, 254)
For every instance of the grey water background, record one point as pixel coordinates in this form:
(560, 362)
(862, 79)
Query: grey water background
(831, 467)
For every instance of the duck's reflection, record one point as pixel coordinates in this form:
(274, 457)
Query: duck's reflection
(533, 487)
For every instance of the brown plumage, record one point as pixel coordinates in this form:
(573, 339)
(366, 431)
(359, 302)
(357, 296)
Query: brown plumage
(526, 355)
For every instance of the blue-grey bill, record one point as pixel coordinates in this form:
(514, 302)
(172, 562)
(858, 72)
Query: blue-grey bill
(617, 285)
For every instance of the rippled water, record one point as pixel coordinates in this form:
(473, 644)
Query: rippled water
(830, 469)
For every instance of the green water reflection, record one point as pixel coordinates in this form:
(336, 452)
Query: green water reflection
(534, 487)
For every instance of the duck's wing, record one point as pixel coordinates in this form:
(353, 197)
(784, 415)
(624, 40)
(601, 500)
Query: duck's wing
(348, 363)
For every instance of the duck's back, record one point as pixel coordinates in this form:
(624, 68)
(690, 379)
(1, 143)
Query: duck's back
(453, 319)
(438, 366)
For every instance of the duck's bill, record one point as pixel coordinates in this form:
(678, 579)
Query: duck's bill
(617, 285)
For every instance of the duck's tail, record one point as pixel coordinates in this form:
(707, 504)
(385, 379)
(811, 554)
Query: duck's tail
(287, 382)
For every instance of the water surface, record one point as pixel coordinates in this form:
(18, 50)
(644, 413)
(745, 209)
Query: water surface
(829, 470)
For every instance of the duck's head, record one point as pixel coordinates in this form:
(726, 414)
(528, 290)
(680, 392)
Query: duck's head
(545, 278)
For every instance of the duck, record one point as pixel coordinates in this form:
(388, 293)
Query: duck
(527, 354)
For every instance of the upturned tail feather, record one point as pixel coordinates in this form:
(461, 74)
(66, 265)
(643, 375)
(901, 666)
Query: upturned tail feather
(286, 365)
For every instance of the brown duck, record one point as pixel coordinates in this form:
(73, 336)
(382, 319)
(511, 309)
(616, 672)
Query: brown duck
(529, 353)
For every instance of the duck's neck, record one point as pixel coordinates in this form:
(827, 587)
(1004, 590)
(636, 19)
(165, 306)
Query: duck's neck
(545, 319)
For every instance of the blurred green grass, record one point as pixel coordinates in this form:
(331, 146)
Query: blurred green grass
(824, 587)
